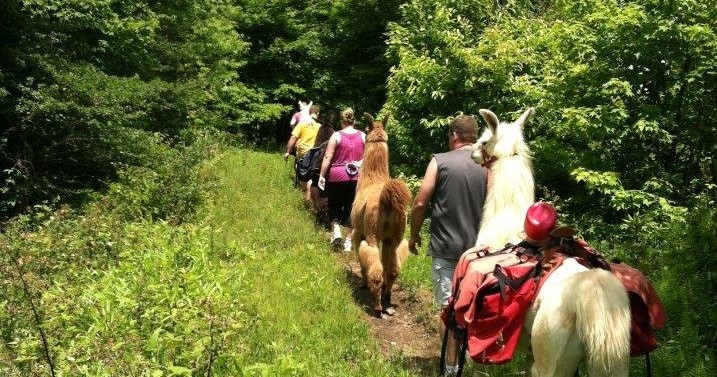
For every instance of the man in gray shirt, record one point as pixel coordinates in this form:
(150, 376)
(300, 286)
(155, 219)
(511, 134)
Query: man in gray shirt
(455, 186)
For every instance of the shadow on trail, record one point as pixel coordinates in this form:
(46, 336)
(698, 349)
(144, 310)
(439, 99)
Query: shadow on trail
(421, 365)
(361, 294)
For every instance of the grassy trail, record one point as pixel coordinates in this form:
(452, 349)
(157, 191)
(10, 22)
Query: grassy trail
(303, 320)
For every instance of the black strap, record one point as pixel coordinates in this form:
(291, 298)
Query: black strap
(648, 365)
(450, 326)
(461, 337)
(462, 340)
(442, 360)
(514, 284)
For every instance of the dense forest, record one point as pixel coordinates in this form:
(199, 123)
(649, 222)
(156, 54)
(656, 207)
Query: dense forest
(110, 110)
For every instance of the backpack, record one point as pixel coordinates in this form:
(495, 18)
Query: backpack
(307, 165)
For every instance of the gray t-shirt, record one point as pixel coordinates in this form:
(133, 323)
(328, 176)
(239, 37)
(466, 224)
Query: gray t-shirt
(457, 204)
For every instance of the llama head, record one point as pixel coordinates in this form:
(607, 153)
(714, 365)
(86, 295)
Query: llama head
(304, 107)
(501, 139)
(376, 130)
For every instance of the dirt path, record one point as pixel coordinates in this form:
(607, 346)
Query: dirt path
(410, 336)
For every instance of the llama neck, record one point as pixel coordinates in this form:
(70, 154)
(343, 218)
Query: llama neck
(375, 165)
(511, 191)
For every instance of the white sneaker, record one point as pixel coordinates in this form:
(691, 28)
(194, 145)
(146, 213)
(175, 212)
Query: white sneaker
(347, 245)
(336, 237)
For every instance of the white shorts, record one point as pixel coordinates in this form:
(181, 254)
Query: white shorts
(442, 271)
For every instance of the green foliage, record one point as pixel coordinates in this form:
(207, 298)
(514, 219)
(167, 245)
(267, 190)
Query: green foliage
(331, 52)
(620, 89)
(624, 132)
(55, 258)
(247, 288)
(85, 85)
(94, 86)
(171, 187)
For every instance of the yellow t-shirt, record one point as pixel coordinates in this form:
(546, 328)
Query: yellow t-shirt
(306, 135)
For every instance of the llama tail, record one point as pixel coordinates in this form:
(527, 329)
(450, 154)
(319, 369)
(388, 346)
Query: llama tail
(402, 253)
(395, 197)
(602, 320)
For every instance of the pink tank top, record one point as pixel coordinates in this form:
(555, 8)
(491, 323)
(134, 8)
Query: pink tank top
(349, 149)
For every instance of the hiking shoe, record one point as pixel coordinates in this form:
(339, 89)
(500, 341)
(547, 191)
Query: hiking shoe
(347, 245)
(336, 242)
(336, 236)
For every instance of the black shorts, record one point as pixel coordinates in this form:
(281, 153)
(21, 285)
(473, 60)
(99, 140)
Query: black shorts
(340, 199)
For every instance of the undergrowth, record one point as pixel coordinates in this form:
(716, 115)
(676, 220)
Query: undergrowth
(243, 284)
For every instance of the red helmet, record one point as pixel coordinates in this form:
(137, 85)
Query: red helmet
(540, 221)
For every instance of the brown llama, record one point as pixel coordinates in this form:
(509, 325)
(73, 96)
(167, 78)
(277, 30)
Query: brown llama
(379, 215)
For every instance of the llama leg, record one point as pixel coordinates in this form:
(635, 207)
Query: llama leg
(555, 345)
(390, 272)
(372, 270)
(364, 272)
(561, 361)
(393, 254)
(524, 345)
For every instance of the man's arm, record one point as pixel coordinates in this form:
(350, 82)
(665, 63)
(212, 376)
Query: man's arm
(292, 140)
(420, 203)
(290, 146)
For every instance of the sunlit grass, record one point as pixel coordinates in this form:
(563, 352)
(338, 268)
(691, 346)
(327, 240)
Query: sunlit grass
(304, 320)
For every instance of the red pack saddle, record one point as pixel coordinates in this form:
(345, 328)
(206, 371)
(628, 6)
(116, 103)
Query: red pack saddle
(491, 295)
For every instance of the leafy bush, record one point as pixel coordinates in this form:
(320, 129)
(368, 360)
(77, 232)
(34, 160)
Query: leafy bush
(65, 250)
(91, 88)
(613, 104)
(170, 188)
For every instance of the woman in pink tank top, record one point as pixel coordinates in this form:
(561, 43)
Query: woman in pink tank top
(341, 160)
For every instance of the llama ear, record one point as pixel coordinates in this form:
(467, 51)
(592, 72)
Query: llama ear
(490, 118)
(524, 118)
(310, 103)
(385, 119)
(369, 118)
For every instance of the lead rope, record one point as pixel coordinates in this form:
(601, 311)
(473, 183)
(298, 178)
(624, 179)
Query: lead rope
(442, 361)
(648, 366)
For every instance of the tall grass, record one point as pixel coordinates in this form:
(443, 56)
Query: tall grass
(247, 286)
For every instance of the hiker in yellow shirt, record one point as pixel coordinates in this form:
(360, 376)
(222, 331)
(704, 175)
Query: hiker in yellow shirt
(303, 137)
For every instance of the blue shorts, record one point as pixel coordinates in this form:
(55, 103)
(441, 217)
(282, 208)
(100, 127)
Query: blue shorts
(442, 272)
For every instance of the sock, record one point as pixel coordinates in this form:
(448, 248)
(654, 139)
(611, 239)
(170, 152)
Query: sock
(347, 243)
(451, 370)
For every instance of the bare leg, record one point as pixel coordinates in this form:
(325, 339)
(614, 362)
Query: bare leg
(308, 198)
